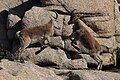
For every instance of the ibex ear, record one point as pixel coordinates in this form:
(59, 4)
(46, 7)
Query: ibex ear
(51, 17)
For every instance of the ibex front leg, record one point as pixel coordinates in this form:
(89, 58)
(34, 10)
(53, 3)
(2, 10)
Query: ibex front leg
(47, 38)
(74, 44)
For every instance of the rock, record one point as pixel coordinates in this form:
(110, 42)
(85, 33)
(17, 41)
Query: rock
(56, 42)
(109, 42)
(50, 56)
(27, 71)
(11, 33)
(68, 45)
(5, 5)
(29, 53)
(86, 74)
(39, 16)
(106, 28)
(74, 64)
(57, 32)
(4, 75)
(82, 6)
(73, 55)
(117, 21)
(12, 20)
(93, 75)
(13, 26)
(117, 39)
(103, 28)
(67, 29)
(20, 9)
(90, 61)
(24, 0)
(35, 17)
(99, 26)
(49, 2)
(106, 57)
(63, 73)
(117, 18)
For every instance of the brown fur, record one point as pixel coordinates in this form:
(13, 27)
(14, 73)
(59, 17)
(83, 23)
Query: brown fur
(36, 34)
(88, 44)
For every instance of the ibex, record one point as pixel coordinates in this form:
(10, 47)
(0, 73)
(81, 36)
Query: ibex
(88, 42)
(38, 34)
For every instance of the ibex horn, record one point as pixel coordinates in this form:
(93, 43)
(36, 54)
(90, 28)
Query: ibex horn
(56, 15)
(73, 11)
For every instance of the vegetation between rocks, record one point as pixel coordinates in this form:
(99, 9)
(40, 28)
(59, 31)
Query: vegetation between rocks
(4, 54)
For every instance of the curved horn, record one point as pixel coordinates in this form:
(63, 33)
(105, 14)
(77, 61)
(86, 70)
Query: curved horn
(72, 13)
(56, 15)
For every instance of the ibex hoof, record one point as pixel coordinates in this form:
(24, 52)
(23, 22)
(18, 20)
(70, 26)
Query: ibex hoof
(22, 60)
(99, 68)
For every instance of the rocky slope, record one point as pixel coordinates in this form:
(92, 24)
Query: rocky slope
(60, 58)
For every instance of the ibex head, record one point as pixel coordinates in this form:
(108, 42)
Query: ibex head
(73, 17)
(54, 20)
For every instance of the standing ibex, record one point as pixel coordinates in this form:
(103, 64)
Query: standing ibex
(38, 34)
(92, 47)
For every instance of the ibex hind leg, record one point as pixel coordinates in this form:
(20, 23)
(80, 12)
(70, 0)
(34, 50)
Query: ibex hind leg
(97, 58)
(24, 43)
(20, 57)
(100, 65)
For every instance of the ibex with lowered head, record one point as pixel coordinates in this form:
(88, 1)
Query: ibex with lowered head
(88, 42)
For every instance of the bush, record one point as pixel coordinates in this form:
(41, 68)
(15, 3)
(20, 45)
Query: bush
(4, 54)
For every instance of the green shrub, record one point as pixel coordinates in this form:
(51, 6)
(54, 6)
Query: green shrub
(4, 54)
